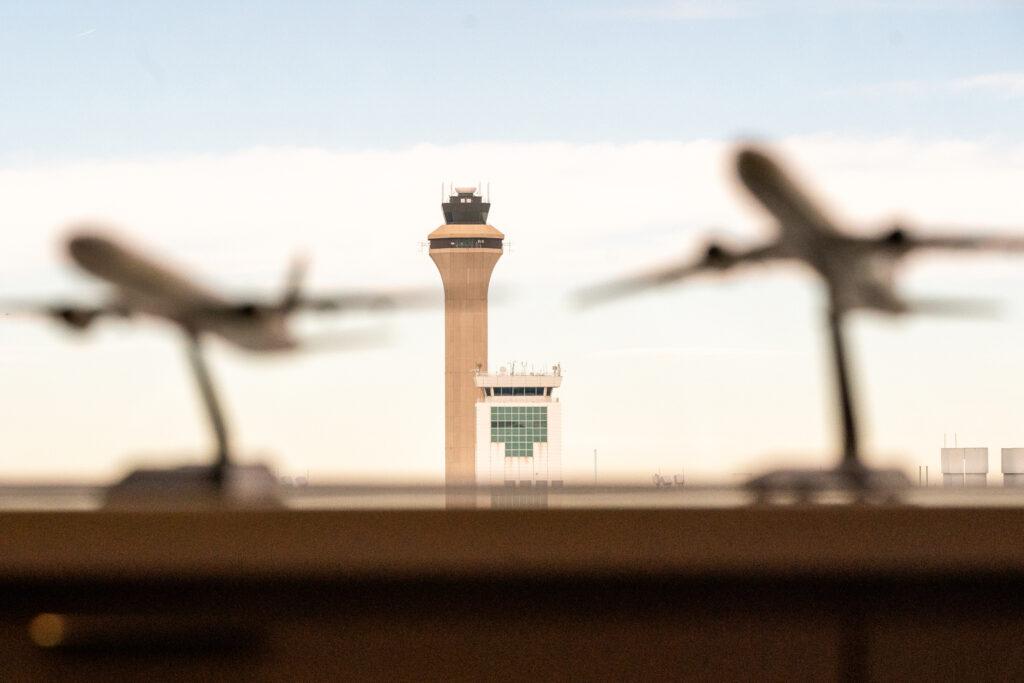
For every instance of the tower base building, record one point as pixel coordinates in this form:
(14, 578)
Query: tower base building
(518, 437)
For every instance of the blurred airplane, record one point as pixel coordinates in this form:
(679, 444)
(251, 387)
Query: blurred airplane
(858, 272)
(143, 285)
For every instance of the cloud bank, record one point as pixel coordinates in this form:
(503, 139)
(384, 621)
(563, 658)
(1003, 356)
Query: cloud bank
(574, 214)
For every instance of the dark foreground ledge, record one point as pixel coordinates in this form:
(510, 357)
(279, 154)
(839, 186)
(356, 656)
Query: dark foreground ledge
(749, 542)
(779, 593)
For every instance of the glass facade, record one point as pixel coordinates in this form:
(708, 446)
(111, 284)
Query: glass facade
(519, 391)
(519, 427)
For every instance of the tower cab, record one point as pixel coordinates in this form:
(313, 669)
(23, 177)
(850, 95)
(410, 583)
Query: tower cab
(465, 207)
(465, 216)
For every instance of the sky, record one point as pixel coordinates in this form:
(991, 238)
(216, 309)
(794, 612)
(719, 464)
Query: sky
(229, 137)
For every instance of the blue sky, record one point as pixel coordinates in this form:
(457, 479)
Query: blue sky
(108, 79)
(228, 134)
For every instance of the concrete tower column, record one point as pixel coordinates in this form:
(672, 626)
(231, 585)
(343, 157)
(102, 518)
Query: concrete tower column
(465, 250)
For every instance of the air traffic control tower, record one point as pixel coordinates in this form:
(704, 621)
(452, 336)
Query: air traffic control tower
(465, 250)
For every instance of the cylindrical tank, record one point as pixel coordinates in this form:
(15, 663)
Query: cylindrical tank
(964, 466)
(1013, 466)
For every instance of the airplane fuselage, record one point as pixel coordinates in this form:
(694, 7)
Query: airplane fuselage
(856, 272)
(142, 285)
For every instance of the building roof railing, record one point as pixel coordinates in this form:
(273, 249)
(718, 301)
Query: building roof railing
(530, 378)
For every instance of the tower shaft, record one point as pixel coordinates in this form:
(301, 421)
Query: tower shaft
(465, 250)
(466, 274)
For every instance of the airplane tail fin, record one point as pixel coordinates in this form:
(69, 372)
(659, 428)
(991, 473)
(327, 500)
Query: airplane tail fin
(293, 281)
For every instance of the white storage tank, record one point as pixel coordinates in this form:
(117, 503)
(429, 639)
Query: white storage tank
(964, 466)
(1013, 466)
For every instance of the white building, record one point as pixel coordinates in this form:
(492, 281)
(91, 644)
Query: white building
(519, 430)
(964, 466)
(1012, 466)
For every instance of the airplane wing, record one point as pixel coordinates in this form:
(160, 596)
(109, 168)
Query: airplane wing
(962, 241)
(74, 315)
(349, 340)
(715, 259)
(322, 303)
(798, 216)
(960, 307)
(367, 301)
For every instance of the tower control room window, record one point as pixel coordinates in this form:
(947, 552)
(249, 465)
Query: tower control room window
(466, 243)
(521, 391)
(519, 427)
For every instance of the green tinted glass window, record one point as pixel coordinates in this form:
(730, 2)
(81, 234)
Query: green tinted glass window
(519, 427)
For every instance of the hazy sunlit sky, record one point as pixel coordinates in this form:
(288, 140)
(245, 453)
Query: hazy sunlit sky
(226, 135)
